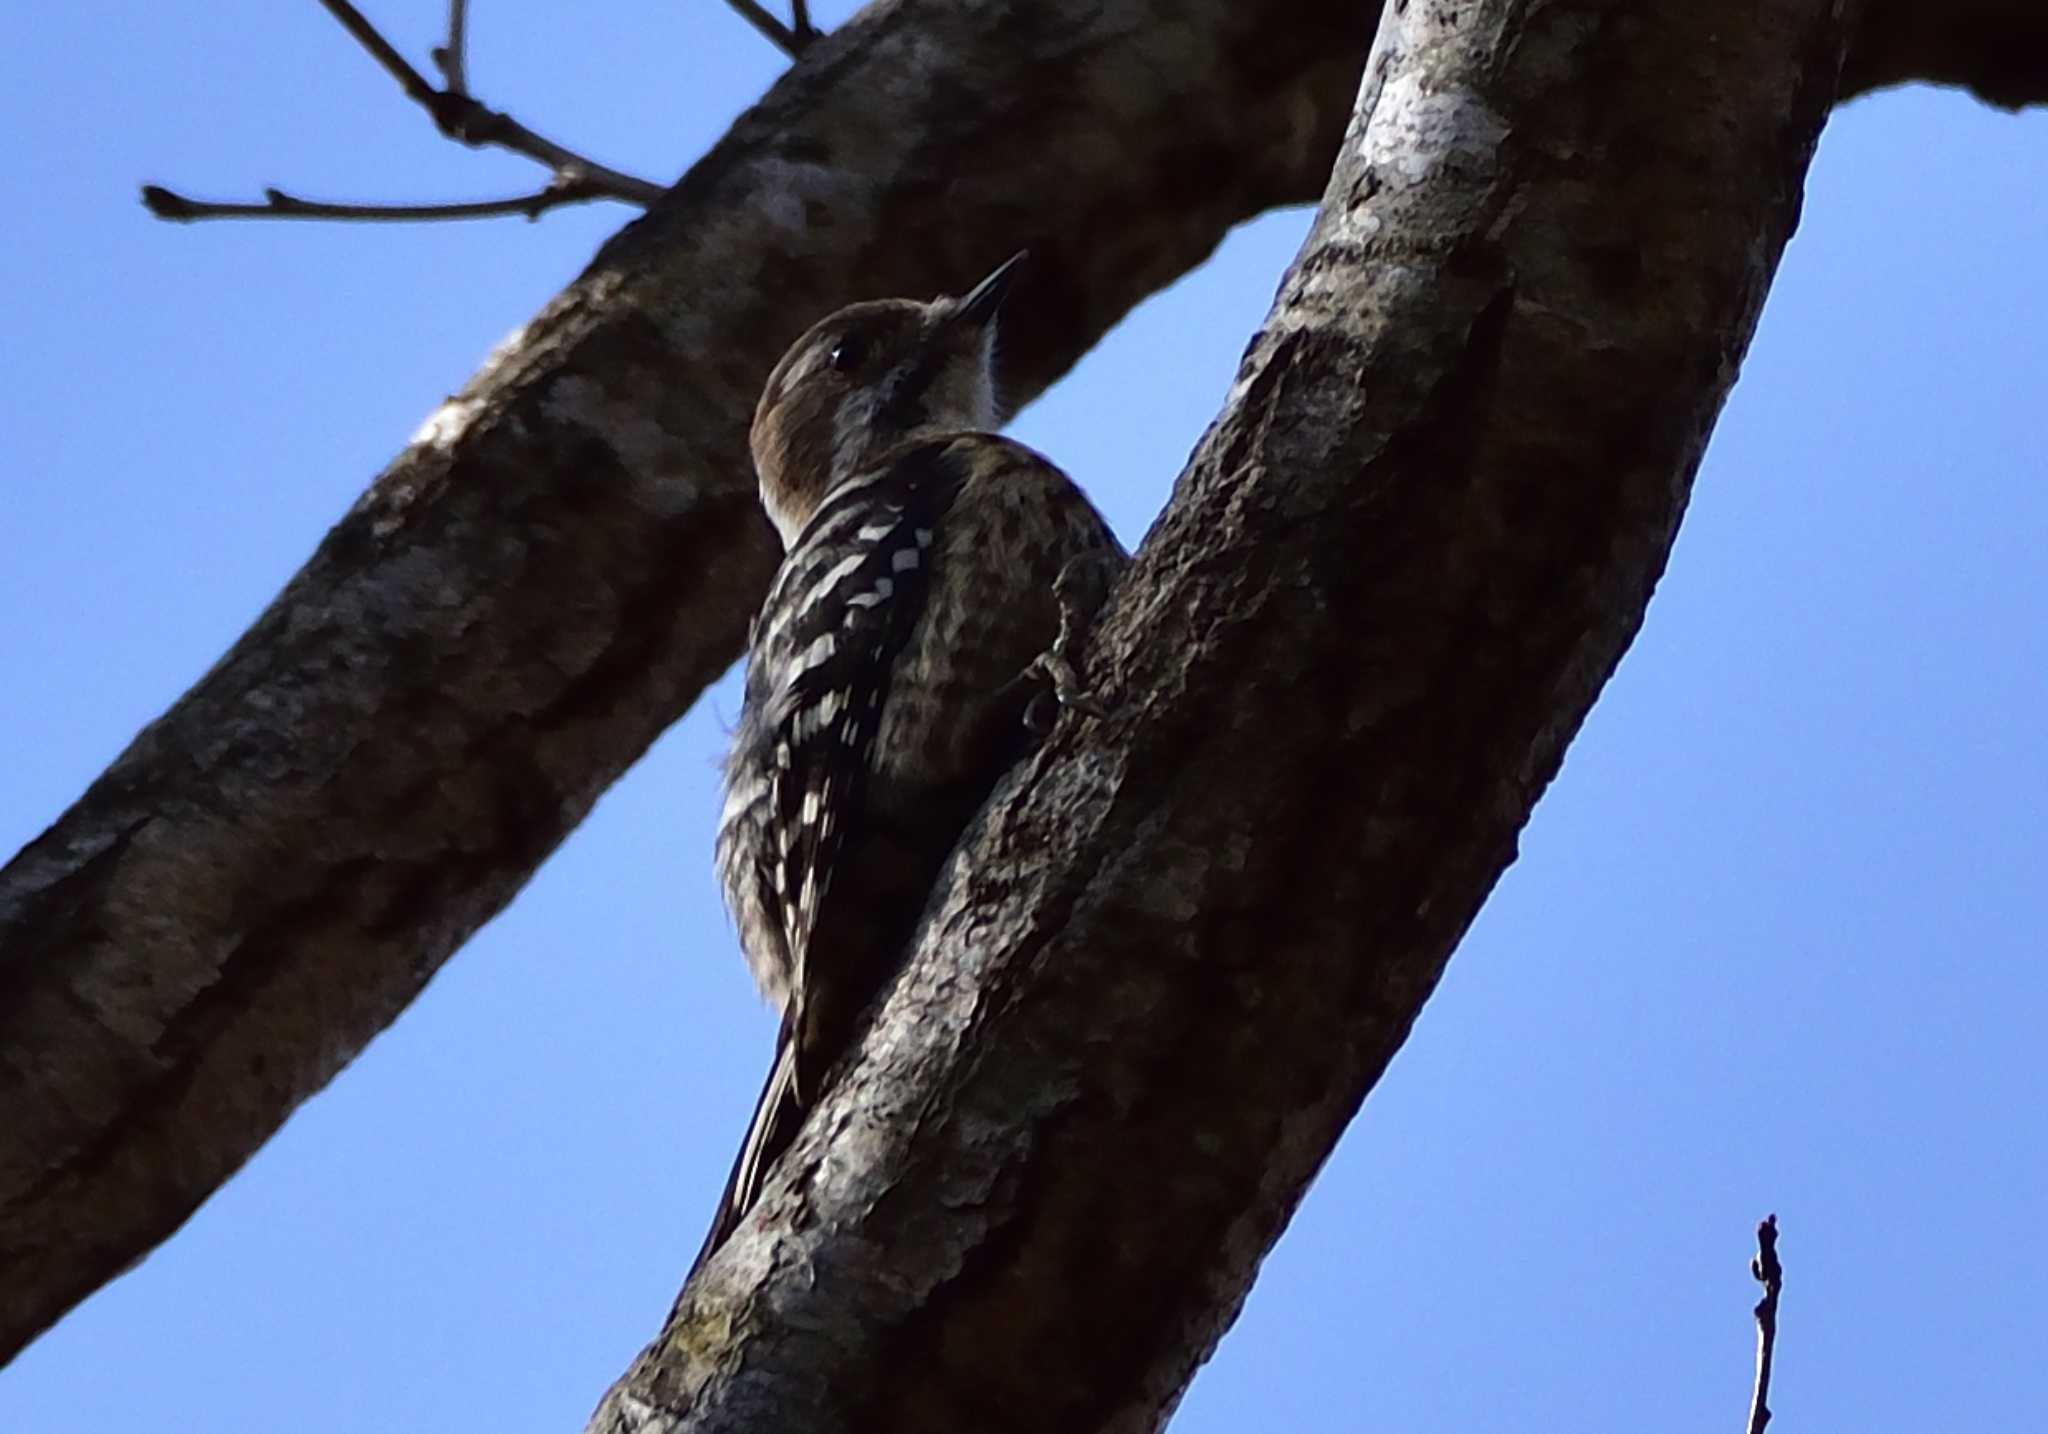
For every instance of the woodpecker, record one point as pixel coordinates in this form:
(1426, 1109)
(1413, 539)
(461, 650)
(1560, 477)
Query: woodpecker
(934, 578)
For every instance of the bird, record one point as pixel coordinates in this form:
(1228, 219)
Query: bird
(916, 641)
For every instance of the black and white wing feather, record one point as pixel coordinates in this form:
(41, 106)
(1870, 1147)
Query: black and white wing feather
(843, 605)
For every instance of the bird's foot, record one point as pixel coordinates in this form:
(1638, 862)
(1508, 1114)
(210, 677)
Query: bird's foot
(1080, 589)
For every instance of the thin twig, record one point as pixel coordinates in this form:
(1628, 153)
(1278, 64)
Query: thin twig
(1768, 1273)
(165, 204)
(450, 57)
(400, 69)
(792, 40)
(461, 117)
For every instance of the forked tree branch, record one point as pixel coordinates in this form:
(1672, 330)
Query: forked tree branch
(569, 550)
(1998, 49)
(793, 38)
(563, 558)
(463, 118)
(458, 115)
(1183, 943)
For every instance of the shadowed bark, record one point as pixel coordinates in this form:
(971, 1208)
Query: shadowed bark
(1184, 942)
(569, 549)
(1996, 49)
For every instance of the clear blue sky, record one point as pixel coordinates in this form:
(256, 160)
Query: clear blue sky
(1775, 941)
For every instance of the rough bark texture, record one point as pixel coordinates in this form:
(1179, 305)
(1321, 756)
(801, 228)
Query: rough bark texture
(568, 552)
(564, 557)
(1185, 942)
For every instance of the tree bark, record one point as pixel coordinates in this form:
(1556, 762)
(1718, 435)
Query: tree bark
(568, 552)
(1184, 942)
(1996, 49)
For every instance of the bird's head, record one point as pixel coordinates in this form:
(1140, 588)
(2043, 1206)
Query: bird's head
(864, 380)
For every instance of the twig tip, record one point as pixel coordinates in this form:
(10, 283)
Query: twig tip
(164, 204)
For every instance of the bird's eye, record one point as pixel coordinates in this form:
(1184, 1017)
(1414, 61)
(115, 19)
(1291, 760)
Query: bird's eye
(847, 354)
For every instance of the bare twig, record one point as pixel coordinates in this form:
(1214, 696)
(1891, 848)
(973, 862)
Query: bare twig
(792, 39)
(459, 115)
(449, 58)
(571, 189)
(1771, 1276)
(400, 69)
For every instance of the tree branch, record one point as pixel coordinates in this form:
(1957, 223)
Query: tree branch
(569, 550)
(463, 118)
(451, 58)
(1996, 49)
(792, 39)
(1183, 943)
(1767, 1272)
(384, 53)
(166, 204)
(459, 116)
(555, 567)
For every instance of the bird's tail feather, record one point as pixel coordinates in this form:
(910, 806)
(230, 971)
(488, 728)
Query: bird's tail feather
(776, 1119)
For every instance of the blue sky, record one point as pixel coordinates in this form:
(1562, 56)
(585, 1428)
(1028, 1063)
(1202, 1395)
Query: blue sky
(1774, 941)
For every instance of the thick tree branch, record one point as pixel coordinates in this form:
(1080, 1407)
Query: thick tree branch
(568, 552)
(1186, 941)
(1996, 49)
(562, 559)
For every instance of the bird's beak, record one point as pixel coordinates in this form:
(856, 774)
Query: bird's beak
(980, 303)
